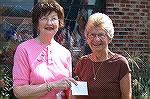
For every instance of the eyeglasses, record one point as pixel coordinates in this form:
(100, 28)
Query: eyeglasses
(46, 19)
(93, 35)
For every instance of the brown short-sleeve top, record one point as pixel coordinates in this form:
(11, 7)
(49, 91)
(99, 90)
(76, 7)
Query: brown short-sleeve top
(108, 77)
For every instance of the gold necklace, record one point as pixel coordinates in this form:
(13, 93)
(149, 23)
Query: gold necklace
(95, 73)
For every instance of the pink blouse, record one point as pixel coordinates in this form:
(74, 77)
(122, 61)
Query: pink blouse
(35, 63)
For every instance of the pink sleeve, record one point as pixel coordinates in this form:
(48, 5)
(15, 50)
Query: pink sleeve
(21, 70)
(68, 62)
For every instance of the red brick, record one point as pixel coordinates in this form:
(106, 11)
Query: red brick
(125, 9)
(141, 6)
(123, 33)
(116, 25)
(110, 5)
(119, 13)
(129, 21)
(128, 5)
(134, 29)
(109, 0)
(122, 5)
(122, 25)
(125, 17)
(125, 1)
(145, 10)
(118, 37)
(115, 41)
(110, 13)
(119, 21)
(109, 9)
(116, 1)
(145, 3)
(133, 2)
(142, 14)
(119, 29)
(131, 13)
(114, 17)
(115, 9)
(136, 22)
(136, 10)
(136, 18)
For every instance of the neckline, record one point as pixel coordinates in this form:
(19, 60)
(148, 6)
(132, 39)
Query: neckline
(113, 55)
(53, 43)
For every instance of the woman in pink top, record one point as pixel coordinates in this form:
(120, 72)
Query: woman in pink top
(42, 67)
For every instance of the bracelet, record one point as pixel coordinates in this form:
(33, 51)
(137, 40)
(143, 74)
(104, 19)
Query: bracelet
(49, 87)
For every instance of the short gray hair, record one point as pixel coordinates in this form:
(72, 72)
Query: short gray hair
(101, 20)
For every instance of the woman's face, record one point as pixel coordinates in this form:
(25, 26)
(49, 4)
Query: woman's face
(97, 39)
(48, 24)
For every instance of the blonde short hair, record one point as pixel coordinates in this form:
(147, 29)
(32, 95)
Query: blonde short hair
(100, 20)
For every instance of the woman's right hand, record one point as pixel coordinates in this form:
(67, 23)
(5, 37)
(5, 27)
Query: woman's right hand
(64, 83)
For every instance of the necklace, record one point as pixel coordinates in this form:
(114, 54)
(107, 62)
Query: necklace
(95, 72)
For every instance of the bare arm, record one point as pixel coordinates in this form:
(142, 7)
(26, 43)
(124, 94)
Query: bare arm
(30, 91)
(33, 91)
(125, 85)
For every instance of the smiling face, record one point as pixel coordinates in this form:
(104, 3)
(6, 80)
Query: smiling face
(99, 32)
(46, 9)
(97, 39)
(48, 24)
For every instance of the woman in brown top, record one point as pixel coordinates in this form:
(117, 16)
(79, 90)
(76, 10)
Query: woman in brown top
(107, 73)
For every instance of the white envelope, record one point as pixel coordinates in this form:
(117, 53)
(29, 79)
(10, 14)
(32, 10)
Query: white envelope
(80, 89)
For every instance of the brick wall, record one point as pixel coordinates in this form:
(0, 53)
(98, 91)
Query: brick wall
(131, 19)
